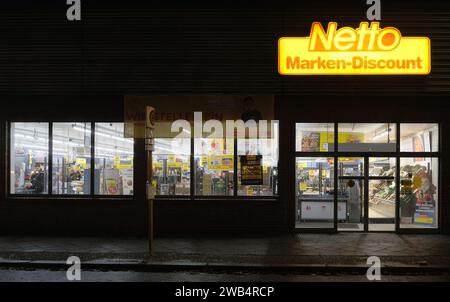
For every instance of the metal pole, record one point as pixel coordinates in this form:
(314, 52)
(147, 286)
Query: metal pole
(149, 147)
(150, 201)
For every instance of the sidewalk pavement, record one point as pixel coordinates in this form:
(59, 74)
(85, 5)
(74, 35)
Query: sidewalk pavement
(292, 251)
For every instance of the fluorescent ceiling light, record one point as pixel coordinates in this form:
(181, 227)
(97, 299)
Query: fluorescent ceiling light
(102, 134)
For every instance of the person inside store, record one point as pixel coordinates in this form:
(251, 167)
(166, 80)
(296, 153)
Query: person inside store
(354, 206)
(75, 175)
(37, 180)
(230, 186)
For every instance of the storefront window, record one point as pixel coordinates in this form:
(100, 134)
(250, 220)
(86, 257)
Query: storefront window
(315, 193)
(419, 192)
(368, 196)
(266, 152)
(419, 137)
(171, 166)
(71, 158)
(314, 137)
(214, 166)
(29, 158)
(354, 137)
(113, 160)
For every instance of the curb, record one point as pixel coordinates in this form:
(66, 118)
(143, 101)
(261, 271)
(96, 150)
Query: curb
(142, 266)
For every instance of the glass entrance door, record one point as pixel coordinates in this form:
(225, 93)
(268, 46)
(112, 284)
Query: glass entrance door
(365, 196)
(382, 194)
(351, 193)
(366, 193)
(366, 176)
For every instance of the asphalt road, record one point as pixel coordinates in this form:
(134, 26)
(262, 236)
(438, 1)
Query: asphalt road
(20, 275)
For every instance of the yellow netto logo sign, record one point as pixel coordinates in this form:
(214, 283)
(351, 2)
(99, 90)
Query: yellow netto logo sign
(369, 49)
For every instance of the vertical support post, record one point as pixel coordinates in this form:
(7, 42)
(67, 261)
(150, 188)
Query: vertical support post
(92, 169)
(150, 190)
(50, 161)
(366, 193)
(235, 174)
(397, 178)
(336, 177)
(193, 166)
(149, 202)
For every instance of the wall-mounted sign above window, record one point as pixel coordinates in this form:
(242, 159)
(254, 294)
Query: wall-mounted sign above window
(366, 50)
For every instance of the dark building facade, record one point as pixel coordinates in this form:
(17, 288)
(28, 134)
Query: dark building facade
(69, 169)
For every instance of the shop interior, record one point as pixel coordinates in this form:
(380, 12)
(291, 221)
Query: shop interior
(214, 165)
(29, 158)
(268, 149)
(114, 156)
(171, 166)
(376, 191)
(71, 159)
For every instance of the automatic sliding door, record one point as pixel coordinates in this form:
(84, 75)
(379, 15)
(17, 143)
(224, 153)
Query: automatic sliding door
(351, 194)
(382, 196)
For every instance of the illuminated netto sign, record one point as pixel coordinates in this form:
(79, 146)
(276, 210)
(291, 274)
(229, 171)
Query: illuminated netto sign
(368, 49)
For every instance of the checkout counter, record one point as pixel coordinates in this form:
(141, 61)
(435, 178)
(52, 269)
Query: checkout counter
(313, 207)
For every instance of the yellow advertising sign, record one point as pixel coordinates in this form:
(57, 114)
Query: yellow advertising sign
(123, 162)
(251, 169)
(366, 50)
(221, 162)
(185, 167)
(302, 165)
(328, 138)
(174, 164)
(81, 163)
(303, 186)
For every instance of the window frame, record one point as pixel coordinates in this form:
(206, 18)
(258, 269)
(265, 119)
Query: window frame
(431, 147)
(50, 195)
(195, 197)
(9, 149)
(93, 165)
(191, 166)
(238, 182)
(430, 154)
(397, 155)
(193, 177)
